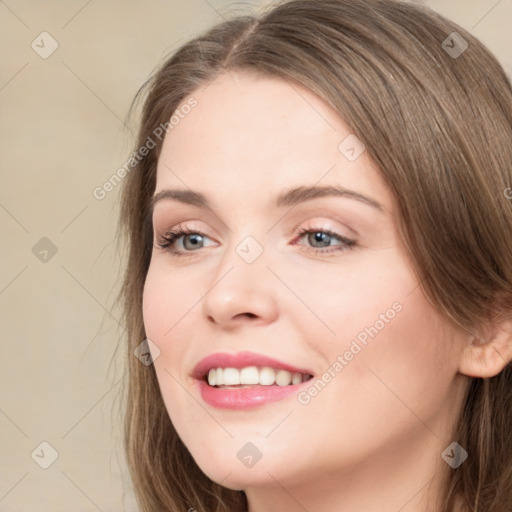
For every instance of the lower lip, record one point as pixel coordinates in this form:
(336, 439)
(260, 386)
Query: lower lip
(242, 398)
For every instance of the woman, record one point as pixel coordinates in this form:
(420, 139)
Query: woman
(319, 280)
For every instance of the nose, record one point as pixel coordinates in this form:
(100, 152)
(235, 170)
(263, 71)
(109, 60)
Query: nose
(241, 292)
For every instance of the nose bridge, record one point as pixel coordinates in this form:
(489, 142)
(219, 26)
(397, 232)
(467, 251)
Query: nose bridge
(242, 284)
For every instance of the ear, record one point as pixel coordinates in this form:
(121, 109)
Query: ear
(487, 357)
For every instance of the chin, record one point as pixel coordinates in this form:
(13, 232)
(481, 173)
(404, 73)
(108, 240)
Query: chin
(240, 478)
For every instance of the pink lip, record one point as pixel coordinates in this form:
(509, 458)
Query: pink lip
(243, 398)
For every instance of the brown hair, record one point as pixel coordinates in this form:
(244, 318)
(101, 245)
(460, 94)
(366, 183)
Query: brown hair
(439, 126)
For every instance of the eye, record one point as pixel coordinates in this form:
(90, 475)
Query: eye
(191, 240)
(320, 238)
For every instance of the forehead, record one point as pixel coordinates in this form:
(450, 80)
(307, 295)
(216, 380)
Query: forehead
(250, 132)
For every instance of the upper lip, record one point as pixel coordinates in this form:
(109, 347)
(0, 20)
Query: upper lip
(241, 360)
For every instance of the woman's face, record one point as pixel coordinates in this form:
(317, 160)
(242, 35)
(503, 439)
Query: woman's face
(339, 303)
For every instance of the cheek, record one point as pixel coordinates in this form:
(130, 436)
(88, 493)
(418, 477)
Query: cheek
(392, 344)
(167, 308)
(167, 298)
(168, 312)
(402, 374)
(350, 299)
(170, 308)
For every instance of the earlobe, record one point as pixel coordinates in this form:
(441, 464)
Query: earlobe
(488, 357)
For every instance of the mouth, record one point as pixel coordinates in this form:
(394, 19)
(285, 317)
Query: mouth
(246, 379)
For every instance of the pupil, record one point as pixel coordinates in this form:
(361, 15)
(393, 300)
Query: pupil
(321, 237)
(194, 239)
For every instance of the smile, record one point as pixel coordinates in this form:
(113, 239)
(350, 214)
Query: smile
(246, 379)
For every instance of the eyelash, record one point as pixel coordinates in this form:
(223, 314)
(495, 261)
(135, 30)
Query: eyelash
(167, 241)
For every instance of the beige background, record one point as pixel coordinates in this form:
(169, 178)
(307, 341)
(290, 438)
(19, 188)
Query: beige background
(62, 135)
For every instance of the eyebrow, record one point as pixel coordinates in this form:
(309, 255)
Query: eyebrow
(290, 197)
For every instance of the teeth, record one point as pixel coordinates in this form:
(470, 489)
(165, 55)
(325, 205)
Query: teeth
(252, 375)
(283, 378)
(296, 378)
(267, 376)
(231, 377)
